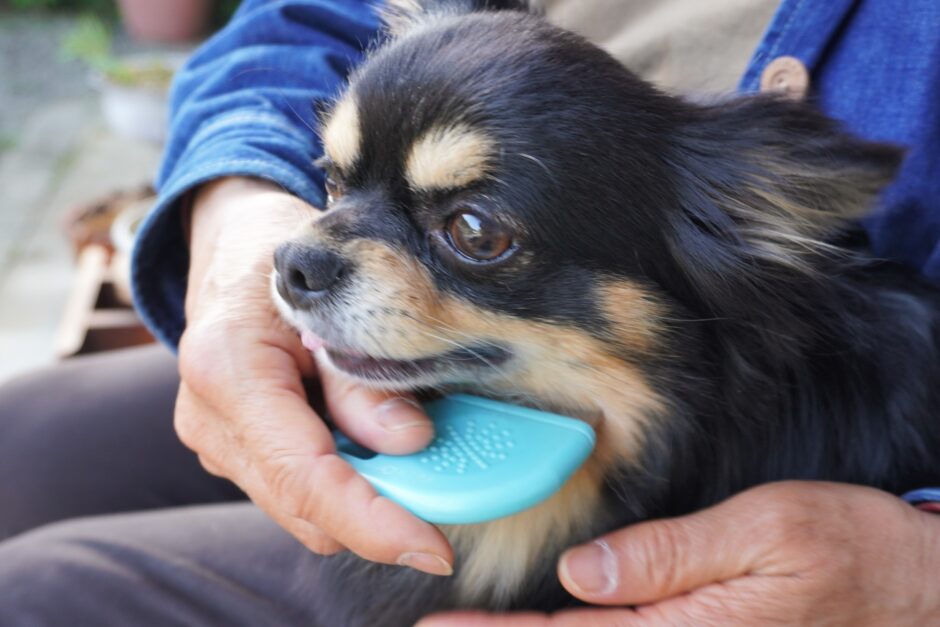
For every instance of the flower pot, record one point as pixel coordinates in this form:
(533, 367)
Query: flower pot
(134, 112)
(139, 111)
(165, 21)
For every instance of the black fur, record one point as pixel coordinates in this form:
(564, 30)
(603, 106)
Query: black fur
(788, 352)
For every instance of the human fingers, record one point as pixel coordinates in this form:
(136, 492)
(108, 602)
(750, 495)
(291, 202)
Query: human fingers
(251, 422)
(384, 421)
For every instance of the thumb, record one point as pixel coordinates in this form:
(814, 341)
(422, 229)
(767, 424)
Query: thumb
(384, 421)
(655, 560)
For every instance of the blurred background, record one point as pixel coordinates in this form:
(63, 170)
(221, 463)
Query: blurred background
(83, 89)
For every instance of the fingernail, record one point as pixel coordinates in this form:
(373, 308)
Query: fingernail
(398, 414)
(592, 568)
(426, 563)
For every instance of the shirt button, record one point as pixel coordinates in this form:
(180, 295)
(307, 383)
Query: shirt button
(786, 76)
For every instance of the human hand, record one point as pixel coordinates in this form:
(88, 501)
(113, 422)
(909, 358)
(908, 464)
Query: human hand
(242, 406)
(793, 553)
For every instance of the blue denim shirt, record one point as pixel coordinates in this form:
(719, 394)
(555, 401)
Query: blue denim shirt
(243, 105)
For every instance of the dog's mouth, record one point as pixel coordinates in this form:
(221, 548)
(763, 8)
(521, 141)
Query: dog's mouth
(382, 369)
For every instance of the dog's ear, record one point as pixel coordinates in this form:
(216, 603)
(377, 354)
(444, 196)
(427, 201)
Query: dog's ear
(400, 16)
(766, 186)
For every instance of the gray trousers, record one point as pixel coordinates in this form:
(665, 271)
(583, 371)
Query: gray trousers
(106, 519)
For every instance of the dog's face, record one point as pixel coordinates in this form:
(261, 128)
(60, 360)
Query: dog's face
(466, 240)
(513, 212)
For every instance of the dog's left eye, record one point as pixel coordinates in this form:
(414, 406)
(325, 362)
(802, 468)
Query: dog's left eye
(334, 189)
(476, 237)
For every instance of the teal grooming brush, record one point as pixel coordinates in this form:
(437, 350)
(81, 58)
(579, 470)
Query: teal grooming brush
(488, 460)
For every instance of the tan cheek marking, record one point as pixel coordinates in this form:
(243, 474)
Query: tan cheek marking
(342, 134)
(448, 157)
(590, 383)
(633, 314)
(566, 368)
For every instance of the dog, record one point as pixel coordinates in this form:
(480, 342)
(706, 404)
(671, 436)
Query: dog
(514, 214)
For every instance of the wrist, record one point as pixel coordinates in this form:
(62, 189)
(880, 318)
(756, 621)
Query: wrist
(205, 212)
(235, 224)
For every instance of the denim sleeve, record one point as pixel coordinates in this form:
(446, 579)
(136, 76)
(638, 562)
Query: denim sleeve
(244, 105)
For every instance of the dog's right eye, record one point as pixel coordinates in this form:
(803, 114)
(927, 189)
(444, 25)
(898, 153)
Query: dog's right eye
(477, 237)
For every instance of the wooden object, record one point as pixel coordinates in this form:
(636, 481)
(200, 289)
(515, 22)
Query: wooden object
(95, 318)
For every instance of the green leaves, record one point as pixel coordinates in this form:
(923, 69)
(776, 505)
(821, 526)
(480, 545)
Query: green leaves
(90, 41)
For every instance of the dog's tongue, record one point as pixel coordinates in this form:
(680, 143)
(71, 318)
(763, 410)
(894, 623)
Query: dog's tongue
(310, 341)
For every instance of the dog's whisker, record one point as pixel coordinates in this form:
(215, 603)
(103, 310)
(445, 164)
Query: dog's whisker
(715, 319)
(443, 325)
(460, 346)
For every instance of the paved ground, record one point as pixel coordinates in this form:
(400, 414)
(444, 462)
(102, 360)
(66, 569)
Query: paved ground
(55, 152)
(32, 70)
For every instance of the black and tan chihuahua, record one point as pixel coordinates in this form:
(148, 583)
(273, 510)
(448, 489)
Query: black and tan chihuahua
(514, 214)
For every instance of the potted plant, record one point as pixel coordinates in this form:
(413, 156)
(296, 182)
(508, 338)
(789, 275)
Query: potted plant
(133, 89)
(167, 21)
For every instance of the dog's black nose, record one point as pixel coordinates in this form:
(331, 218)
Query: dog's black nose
(307, 273)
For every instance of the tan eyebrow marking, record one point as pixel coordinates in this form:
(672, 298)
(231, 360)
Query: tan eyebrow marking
(448, 157)
(342, 135)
